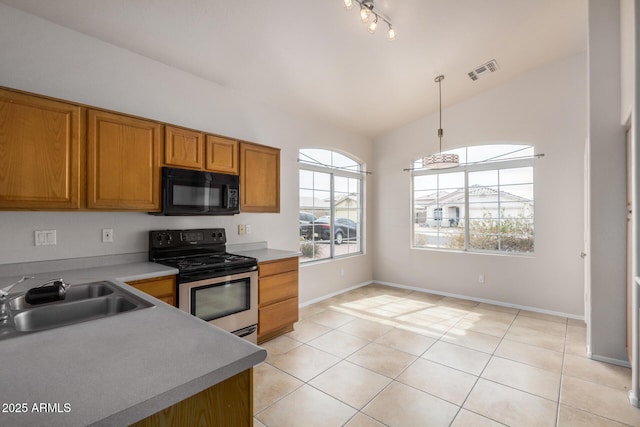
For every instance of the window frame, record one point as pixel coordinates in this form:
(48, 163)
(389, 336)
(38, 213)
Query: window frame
(469, 168)
(334, 172)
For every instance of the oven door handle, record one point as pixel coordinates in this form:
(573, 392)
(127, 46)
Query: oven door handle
(194, 276)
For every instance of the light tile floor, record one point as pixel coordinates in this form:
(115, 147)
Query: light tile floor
(385, 356)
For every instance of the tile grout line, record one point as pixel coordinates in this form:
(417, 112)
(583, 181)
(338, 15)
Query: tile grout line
(483, 369)
(564, 352)
(441, 336)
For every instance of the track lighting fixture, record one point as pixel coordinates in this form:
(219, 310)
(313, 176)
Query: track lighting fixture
(369, 15)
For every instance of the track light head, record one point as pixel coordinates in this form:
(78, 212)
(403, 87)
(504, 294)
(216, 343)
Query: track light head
(373, 25)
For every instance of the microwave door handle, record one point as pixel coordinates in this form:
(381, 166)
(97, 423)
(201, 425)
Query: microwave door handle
(225, 196)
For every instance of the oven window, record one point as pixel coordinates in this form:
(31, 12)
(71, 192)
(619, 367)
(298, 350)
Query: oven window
(211, 302)
(189, 195)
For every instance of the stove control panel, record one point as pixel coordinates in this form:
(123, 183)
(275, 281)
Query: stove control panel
(185, 238)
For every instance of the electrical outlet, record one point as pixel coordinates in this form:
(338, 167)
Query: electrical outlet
(481, 278)
(107, 235)
(45, 237)
(247, 228)
(242, 229)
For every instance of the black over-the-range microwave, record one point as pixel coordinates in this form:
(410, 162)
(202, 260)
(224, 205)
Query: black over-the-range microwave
(193, 192)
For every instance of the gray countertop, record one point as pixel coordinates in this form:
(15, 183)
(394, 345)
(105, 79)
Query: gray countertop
(263, 255)
(261, 252)
(119, 369)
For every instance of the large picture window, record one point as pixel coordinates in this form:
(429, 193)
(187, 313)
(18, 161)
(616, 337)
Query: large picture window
(484, 205)
(330, 205)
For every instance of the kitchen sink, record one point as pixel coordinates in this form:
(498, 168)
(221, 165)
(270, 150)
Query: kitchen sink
(74, 293)
(84, 302)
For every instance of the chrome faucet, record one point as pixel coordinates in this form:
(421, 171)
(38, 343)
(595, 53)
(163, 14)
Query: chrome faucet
(4, 300)
(5, 309)
(4, 292)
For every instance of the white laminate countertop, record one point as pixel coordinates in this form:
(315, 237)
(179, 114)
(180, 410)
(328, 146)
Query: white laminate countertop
(115, 370)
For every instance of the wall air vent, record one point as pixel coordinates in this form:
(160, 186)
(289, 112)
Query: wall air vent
(489, 67)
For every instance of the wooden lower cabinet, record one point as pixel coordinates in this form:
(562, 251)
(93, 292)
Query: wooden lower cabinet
(229, 403)
(163, 288)
(277, 297)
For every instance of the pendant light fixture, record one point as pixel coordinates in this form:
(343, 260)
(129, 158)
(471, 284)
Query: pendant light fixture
(440, 160)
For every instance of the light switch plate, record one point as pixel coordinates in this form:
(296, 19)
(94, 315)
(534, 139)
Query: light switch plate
(45, 237)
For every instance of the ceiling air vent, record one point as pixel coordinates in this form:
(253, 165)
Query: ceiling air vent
(489, 67)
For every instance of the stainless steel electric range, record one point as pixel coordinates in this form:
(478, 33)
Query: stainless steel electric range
(212, 284)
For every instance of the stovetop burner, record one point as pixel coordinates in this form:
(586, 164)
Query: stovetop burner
(201, 252)
(207, 261)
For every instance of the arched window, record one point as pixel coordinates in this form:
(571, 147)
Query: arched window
(330, 205)
(484, 205)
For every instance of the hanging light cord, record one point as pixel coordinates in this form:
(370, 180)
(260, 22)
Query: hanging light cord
(440, 131)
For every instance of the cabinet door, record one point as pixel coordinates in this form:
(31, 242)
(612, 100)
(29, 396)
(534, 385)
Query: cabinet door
(228, 403)
(259, 178)
(40, 150)
(123, 162)
(183, 147)
(222, 155)
(279, 316)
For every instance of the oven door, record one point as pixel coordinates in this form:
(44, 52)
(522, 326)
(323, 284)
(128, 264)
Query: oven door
(229, 302)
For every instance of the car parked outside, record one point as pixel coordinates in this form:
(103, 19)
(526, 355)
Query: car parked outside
(343, 229)
(306, 218)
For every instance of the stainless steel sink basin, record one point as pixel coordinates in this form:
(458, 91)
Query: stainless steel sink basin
(83, 303)
(74, 293)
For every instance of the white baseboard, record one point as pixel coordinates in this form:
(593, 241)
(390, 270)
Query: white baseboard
(633, 399)
(486, 301)
(333, 294)
(623, 363)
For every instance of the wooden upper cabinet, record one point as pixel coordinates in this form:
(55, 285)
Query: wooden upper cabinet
(123, 162)
(222, 155)
(259, 178)
(183, 147)
(41, 143)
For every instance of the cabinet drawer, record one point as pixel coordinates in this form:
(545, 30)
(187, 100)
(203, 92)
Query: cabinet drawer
(278, 287)
(163, 288)
(275, 267)
(277, 315)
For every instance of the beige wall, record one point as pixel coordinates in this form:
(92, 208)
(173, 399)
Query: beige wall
(544, 108)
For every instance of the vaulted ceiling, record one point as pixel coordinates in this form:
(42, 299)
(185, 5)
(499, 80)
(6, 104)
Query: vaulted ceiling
(315, 58)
